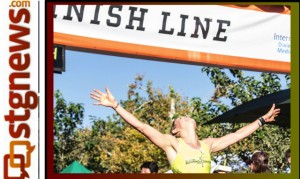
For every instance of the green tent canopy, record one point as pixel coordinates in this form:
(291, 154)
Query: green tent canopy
(76, 167)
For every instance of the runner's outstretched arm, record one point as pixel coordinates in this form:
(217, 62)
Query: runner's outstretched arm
(108, 100)
(217, 144)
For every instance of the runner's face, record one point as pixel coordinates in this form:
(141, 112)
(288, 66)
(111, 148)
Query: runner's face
(185, 122)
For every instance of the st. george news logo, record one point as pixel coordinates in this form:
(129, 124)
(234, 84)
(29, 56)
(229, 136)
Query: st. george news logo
(24, 161)
(22, 100)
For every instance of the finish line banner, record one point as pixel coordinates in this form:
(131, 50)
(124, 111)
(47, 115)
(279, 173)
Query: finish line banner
(19, 86)
(198, 34)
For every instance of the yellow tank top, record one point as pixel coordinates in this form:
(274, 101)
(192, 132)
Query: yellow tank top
(189, 160)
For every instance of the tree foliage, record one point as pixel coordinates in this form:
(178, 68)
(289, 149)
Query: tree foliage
(67, 118)
(112, 146)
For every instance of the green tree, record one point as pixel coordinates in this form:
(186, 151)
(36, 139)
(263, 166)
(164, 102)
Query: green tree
(67, 118)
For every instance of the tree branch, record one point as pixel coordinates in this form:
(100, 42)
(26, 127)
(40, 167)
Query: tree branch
(142, 106)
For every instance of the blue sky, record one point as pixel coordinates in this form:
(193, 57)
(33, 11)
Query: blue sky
(87, 71)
